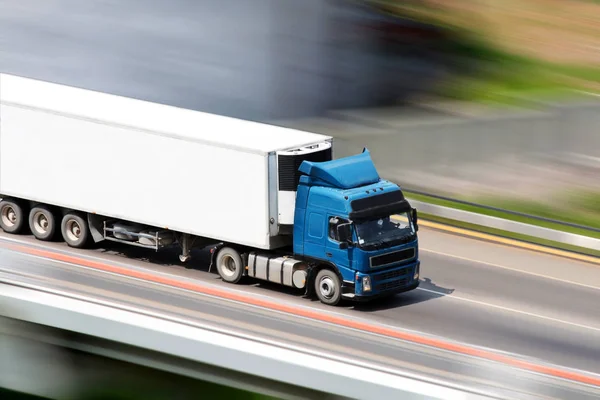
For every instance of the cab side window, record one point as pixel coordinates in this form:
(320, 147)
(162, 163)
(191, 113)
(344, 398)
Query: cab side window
(333, 224)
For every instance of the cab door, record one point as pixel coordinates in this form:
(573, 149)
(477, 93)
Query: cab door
(333, 253)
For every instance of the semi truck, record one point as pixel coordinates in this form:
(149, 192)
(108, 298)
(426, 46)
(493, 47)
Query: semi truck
(268, 203)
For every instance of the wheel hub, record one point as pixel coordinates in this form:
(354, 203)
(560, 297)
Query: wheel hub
(41, 222)
(73, 230)
(9, 216)
(229, 267)
(327, 287)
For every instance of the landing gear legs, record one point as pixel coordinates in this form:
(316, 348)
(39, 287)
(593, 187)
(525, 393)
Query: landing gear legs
(186, 242)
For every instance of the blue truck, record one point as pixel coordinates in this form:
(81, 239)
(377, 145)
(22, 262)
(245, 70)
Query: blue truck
(267, 202)
(357, 231)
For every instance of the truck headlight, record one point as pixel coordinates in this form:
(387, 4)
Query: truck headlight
(366, 283)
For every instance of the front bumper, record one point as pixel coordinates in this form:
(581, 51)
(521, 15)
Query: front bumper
(385, 283)
(365, 298)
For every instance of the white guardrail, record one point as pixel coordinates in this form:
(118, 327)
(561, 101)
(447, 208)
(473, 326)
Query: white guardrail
(259, 358)
(506, 225)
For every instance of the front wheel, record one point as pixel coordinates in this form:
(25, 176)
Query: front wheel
(328, 287)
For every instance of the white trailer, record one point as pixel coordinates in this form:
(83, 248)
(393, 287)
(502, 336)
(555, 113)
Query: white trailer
(144, 173)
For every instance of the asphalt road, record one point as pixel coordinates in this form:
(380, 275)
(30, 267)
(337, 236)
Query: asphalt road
(522, 304)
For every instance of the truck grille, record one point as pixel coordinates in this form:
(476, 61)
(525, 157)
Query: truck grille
(392, 274)
(392, 258)
(383, 287)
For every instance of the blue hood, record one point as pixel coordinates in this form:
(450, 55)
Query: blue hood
(343, 173)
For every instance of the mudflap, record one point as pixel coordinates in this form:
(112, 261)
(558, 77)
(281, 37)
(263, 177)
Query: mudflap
(95, 223)
(214, 250)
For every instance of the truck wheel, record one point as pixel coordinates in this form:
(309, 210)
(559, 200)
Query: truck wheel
(230, 265)
(12, 218)
(42, 223)
(328, 287)
(75, 230)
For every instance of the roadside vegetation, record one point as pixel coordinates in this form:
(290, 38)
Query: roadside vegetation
(583, 209)
(517, 53)
(511, 235)
(514, 52)
(149, 390)
(142, 383)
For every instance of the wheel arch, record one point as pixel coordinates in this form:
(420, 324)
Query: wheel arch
(315, 267)
(242, 250)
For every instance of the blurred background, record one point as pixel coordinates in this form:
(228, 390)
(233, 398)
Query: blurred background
(481, 100)
(492, 102)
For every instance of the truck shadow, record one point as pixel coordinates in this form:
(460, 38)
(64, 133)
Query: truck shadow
(168, 261)
(426, 291)
(167, 257)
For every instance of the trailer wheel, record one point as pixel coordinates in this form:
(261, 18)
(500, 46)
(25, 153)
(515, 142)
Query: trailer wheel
(75, 230)
(42, 222)
(230, 265)
(12, 218)
(328, 287)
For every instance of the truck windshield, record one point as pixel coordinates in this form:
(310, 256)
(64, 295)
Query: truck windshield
(382, 231)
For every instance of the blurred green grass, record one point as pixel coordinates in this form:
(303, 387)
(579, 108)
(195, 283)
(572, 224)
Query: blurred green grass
(509, 79)
(510, 235)
(581, 208)
(491, 66)
(135, 382)
(7, 394)
(148, 390)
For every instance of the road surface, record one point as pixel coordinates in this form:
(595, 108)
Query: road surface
(521, 305)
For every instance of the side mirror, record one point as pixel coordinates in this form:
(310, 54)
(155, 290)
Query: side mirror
(344, 232)
(415, 219)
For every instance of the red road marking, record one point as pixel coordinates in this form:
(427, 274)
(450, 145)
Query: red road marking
(315, 315)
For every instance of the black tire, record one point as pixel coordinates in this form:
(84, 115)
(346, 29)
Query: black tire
(75, 230)
(12, 217)
(328, 287)
(42, 223)
(230, 265)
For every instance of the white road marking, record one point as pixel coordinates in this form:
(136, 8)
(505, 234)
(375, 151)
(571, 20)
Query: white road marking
(530, 314)
(271, 298)
(219, 328)
(258, 339)
(511, 269)
(198, 281)
(123, 264)
(345, 315)
(141, 268)
(348, 314)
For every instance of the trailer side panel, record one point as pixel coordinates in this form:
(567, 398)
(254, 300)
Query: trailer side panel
(134, 175)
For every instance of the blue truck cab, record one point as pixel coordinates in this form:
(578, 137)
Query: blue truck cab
(357, 229)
